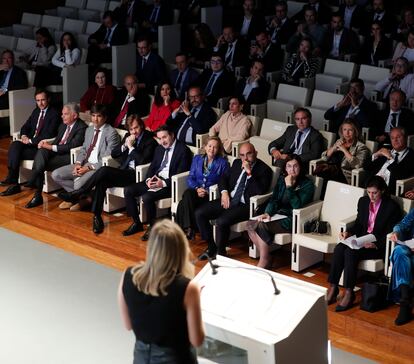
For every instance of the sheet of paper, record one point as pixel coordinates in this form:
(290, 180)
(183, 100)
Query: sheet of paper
(272, 218)
(409, 243)
(357, 243)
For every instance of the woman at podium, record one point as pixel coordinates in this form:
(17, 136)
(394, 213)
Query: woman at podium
(160, 303)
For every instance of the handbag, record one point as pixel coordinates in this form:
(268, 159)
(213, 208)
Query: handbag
(374, 295)
(316, 226)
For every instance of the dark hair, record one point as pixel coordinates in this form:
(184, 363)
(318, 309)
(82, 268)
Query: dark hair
(134, 117)
(158, 100)
(217, 54)
(401, 92)
(379, 183)
(99, 109)
(181, 54)
(297, 158)
(144, 38)
(42, 91)
(9, 51)
(305, 110)
(310, 8)
(238, 98)
(44, 32)
(206, 35)
(73, 42)
(358, 80)
(281, 3)
(256, 60)
(309, 40)
(262, 32)
(410, 31)
(108, 14)
(337, 14)
(104, 71)
(166, 128)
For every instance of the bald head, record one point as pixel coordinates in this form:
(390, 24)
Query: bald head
(247, 152)
(131, 84)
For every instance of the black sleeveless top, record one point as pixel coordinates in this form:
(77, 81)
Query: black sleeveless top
(160, 320)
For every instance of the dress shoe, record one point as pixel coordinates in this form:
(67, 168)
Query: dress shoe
(11, 190)
(29, 184)
(98, 225)
(75, 207)
(67, 196)
(37, 200)
(146, 235)
(7, 181)
(208, 253)
(404, 315)
(134, 228)
(340, 308)
(65, 205)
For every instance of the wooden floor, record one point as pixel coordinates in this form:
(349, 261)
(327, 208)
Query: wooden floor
(372, 335)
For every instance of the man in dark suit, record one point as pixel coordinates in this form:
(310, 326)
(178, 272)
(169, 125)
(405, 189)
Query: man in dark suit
(353, 14)
(192, 117)
(340, 41)
(11, 78)
(394, 164)
(136, 148)
(233, 49)
(109, 34)
(55, 154)
(190, 10)
(395, 115)
(150, 66)
(323, 12)
(249, 22)
(129, 100)
(380, 14)
(254, 88)
(270, 53)
(130, 12)
(247, 177)
(301, 139)
(280, 27)
(43, 123)
(354, 105)
(170, 157)
(216, 82)
(158, 13)
(183, 76)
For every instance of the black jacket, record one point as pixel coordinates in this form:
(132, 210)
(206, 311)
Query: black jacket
(76, 137)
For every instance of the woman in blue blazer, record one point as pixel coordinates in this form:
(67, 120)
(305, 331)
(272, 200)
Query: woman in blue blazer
(206, 170)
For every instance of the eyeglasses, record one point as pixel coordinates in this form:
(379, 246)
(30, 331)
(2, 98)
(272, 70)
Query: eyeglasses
(194, 96)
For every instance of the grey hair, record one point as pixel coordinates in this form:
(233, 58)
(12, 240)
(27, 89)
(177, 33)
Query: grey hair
(73, 107)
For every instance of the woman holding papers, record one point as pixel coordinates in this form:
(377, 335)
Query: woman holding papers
(402, 259)
(292, 191)
(160, 303)
(377, 214)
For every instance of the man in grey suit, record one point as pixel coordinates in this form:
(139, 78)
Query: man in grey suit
(100, 140)
(301, 139)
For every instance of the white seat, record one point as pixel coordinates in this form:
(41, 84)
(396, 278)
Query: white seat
(52, 22)
(371, 75)
(7, 42)
(254, 130)
(92, 27)
(21, 104)
(100, 5)
(66, 12)
(308, 248)
(89, 15)
(113, 5)
(31, 19)
(321, 102)
(294, 7)
(78, 4)
(22, 31)
(74, 26)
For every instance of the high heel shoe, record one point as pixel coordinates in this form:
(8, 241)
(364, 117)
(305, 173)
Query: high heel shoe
(334, 297)
(340, 308)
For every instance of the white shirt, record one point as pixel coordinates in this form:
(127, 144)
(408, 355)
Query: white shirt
(93, 158)
(249, 87)
(164, 173)
(298, 148)
(335, 44)
(384, 172)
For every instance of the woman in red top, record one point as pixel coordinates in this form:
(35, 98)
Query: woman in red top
(165, 102)
(98, 93)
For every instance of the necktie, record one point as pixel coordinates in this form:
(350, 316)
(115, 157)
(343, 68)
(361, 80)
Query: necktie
(40, 123)
(229, 53)
(178, 82)
(393, 120)
(235, 201)
(209, 86)
(122, 113)
(164, 160)
(65, 136)
(182, 132)
(144, 61)
(396, 157)
(298, 139)
(130, 157)
(108, 33)
(90, 149)
(154, 14)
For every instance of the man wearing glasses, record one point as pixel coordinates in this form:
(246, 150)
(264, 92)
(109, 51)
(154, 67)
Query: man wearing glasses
(216, 82)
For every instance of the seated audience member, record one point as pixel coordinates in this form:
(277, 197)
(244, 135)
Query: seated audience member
(170, 157)
(129, 100)
(340, 41)
(164, 104)
(158, 13)
(43, 123)
(270, 53)
(183, 76)
(292, 191)
(402, 268)
(68, 54)
(346, 154)
(11, 77)
(249, 22)
(202, 44)
(301, 64)
(216, 82)
(405, 48)
(161, 290)
(301, 139)
(192, 117)
(55, 154)
(376, 47)
(247, 177)
(394, 164)
(354, 106)
(394, 115)
(206, 170)
(381, 14)
(100, 140)
(353, 14)
(233, 125)
(130, 12)
(100, 92)
(150, 66)
(322, 11)
(399, 79)
(280, 27)
(109, 34)
(254, 88)
(190, 10)
(308, 29)
(137, 147)
(41, 55)
(377, 213)
(407, 22)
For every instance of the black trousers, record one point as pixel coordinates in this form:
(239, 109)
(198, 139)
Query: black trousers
(224, 219)
(149, 199)
(346, 259)
(46, 160)
(17, 152)
(186, 208)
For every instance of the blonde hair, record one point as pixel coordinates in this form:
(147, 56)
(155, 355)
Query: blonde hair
(220, 145)
(168, 254)
(354, 126)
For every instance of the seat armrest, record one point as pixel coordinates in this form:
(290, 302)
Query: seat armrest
(141, 172)
(16, 136)
(273, 76)
(410, 103)
(404, 185)
(357, 177)
(259, 110)
(365, 133)
(326, 125)
(235, 147)
(289, 117)
(239, 71)
(351, 57)
(389, 247)
(384, 63)
(213, 192)
(375, 95)
(201, 139)
(347, 223)
(342, 88)
(74, 152)
(307, 82)
(108, 161)
(256, 201)
(179, 185)
(312, 165)
(305, 214)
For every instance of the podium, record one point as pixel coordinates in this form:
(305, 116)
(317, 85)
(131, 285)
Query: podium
(240, 308)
